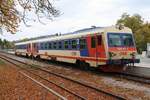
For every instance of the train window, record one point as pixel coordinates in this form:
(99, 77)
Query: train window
(46, 45)
(93, 42)
(74, 44)
(49, 45)
(114, 40)
(54, 45)
(127, 40)
(69, 42)
(66, 44)
(22, 46)
(37, 46)
(82, 43)
(59, 45)
(42, 46)
(99, 40)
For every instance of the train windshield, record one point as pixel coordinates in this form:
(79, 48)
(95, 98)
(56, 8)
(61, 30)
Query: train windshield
(117, 40)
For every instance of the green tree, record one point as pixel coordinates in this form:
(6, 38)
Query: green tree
(134, 22)
(6, 44)
(140, 30)
(1, 43)
(143, 36)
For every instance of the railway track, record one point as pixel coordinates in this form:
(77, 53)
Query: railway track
(12, 60)
(129, 76)
(30, 71)
(136, 78)
(42, 85)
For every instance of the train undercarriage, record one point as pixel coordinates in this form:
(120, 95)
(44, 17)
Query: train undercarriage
(118, 65)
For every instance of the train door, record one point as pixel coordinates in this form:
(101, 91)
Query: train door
(34, 48)
(83, 47)
(96, 47)
(29, 48)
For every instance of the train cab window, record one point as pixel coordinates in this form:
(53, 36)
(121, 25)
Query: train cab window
(54, 45)
(74, 44)
(66, 45)
(99, 40)
(49, 45)
(59, 45)
(93, 42)
(82, 43)
(127, 40)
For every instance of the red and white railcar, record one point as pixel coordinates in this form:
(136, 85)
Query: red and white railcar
(108, 48)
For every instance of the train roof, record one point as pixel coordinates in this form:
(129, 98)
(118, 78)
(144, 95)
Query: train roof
(76, 34)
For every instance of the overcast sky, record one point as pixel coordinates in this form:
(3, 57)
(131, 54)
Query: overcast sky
(78, 14)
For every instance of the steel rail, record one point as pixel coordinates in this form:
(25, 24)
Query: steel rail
(42, 85)
(135, 78)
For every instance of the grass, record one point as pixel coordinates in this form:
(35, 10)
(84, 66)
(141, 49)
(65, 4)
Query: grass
(2, 62)
(34, 66)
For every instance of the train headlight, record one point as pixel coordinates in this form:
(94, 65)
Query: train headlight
(133, 55)
(111, 54)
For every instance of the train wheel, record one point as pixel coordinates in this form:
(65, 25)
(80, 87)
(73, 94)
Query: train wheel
(83, 65)
(38, 57)
(27, 56)
(78, 63)
(31, 57)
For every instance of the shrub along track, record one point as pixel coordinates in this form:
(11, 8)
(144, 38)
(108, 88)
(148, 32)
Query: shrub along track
(75, 88)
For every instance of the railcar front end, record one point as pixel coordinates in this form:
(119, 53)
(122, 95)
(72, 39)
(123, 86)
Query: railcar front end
(121, 51)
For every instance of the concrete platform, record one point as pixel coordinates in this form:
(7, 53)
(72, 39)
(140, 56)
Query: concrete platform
(144, 61)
